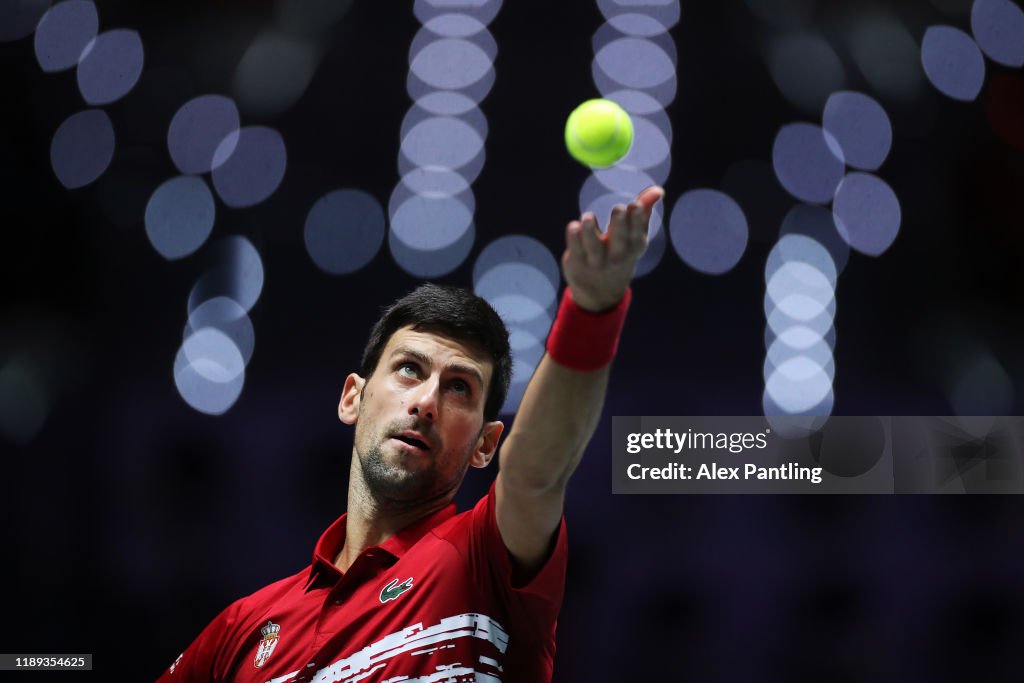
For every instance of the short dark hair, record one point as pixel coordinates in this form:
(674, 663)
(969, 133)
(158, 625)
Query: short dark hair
(457, 312)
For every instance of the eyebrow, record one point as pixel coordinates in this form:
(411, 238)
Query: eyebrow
(424, 359)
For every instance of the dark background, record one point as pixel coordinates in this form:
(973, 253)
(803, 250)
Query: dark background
(131, 519)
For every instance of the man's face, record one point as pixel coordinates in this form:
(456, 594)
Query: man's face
(419, 417)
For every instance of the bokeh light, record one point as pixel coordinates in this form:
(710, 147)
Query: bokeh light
(798, 385)
(867, 213)
(806, 69)
(421, 151)
(818, 224)
(248, 166)
(236, 273)
(651, 149)
(228, 317)
(63, 33)
(451, 64)
(637, 102)
(636, 30)
(197, 128)
(980, 385)
(468, 112)
(519, 277)
(24, 403)
(517, 264)
(523, 250)
(446, 103)
(998, 26)
(431, 263)
(635, 63)
(639, 17)
(483, 11)
(807, 163)
(886, 54)
(516, 276)
(179, 216)
(618, 178)
(638, 25)
(798, 277)
(799, 304)
(799, 337)
(953, 62)
(18, 18)
(82, 148)
(209, 343)
(708, 230)
(803, 310)
(218, 339)
(457, 25)
(860, 127)
(476, 91)
(443, 141)
(344, 231)
(110, 66)
(781, 352)
(615, 46)
(443, 136)
(209, 371)
(801, 248)
(273, 73)
(436, 180)
(431, 232)
(428, 223)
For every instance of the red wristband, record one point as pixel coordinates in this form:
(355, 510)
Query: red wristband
(585, 341)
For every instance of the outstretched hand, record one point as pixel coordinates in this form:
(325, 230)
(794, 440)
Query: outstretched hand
(599, 266)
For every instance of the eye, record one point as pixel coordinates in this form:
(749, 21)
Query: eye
(460, 386)
(408, 370)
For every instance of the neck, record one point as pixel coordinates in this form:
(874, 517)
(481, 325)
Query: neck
(372, 520)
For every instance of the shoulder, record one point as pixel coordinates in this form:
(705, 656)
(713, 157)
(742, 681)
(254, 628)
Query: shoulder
(253, 606)
(458, 528)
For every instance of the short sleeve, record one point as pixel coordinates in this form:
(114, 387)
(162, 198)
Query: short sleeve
(205, 660)
(533, 604)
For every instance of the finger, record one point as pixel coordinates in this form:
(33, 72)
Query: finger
(618, 233)
(649, 197)
(574, 250)
(637, 220)
(591, 236)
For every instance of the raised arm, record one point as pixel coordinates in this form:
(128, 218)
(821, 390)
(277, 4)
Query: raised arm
(561, 406)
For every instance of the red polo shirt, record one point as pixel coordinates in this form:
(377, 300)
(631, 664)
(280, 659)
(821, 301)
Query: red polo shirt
(435, 602)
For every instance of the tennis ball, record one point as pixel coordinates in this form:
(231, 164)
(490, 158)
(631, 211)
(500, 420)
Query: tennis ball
(598, 133)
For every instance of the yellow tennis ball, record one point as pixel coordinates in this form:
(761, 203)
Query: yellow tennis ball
(598, 133)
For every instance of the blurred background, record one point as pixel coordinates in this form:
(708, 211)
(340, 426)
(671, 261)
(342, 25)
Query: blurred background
(206, 204)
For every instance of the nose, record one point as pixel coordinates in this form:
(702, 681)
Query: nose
(424, 401)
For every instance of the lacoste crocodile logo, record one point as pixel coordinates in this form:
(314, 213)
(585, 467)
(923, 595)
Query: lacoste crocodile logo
(394, 589)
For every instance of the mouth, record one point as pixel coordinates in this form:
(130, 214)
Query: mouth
(412, 440)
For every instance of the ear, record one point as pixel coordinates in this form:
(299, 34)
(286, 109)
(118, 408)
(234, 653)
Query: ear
(348, 408)
(487, 444)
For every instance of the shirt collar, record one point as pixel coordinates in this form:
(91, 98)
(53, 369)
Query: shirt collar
(333, 540)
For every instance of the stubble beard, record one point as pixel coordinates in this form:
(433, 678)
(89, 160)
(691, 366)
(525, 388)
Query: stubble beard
(390, 482)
